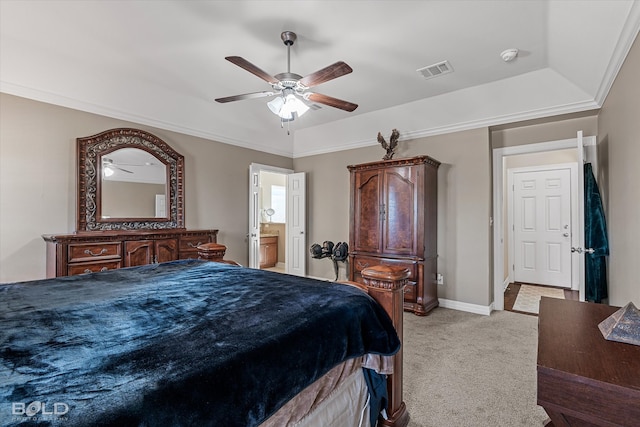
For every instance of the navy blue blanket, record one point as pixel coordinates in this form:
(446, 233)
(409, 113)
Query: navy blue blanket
(190, 343)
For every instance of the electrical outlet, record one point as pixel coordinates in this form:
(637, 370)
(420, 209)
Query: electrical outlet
(440, 279)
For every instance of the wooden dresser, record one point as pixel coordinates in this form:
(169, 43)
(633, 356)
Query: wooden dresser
(583, 379)
(393, 221)
(78, 253)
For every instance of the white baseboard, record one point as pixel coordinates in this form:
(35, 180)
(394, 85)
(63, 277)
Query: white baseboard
(465, 306)
(505, 284)
(323, 279)
(446, 303)
(281, 265)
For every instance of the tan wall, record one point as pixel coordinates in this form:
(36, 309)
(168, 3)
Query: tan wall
(464, 196)
(537, 159)
(130, 199)
(38, 182)
(619, 142)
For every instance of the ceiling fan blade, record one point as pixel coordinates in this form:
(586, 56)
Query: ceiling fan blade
(123, 170)
(331, 72)
(330, 101)
(243, 63)
(245, 96)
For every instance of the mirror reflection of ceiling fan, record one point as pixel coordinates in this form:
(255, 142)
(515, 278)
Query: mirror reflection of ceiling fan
(292, 88)
(108, 165)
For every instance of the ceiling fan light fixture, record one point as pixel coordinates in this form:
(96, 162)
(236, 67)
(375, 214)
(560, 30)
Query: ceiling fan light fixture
(287, 107)
(107, 171)
(293, 105)
(275, 105)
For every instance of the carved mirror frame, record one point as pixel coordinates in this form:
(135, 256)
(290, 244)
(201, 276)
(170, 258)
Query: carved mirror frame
(89, 152)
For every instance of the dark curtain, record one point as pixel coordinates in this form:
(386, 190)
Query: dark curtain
(595, 237)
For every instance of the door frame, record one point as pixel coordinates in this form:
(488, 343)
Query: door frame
(499, 283)
(573, 214)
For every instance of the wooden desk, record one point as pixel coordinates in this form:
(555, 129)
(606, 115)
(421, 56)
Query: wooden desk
(583, 379)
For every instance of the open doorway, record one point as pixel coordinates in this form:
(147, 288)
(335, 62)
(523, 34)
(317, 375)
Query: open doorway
(501, 233)
(273, 221)
(541, 203)
(277, 219)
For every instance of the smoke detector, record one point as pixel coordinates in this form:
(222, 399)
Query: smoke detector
(509, 55)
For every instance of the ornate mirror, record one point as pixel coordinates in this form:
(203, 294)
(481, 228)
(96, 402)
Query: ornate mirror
(128, 179)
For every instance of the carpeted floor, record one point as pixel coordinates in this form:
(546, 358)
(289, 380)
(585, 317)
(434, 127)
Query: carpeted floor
(463, 369)
(528, 299)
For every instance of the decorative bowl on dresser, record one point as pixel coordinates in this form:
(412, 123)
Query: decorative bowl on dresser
(129, 207)
(393, 221)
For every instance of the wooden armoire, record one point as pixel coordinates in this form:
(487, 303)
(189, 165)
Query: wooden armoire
(393, 221)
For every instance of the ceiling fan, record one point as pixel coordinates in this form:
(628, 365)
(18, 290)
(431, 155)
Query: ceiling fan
(291, 87)
(108, 164)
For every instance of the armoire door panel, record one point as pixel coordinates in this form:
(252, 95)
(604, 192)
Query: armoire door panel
(399, 212)
(368, 237)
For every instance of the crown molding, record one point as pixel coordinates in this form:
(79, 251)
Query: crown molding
(74, 104)
(628, 35)
(462, 126)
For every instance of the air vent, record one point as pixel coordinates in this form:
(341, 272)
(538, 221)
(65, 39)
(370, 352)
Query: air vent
(435, 70)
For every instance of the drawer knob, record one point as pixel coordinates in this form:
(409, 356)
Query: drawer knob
(88, 270)
(88, 252)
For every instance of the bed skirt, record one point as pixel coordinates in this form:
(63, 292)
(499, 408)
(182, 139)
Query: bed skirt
(340, 398)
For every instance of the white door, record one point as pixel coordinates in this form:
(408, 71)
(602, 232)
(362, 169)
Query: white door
(296, 252)
(254, 215)
(542, 227)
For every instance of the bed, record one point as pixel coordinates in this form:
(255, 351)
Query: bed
(198, 343)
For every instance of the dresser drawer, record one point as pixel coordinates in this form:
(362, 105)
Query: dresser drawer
(410, 292)
(92, 267)
(191, 243)
(90, 251)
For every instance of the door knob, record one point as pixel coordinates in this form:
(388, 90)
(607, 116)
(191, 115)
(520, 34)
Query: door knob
(565, 234)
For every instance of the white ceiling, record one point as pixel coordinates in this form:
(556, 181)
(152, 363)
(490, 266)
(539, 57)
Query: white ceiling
(161, 63)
